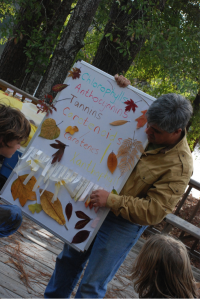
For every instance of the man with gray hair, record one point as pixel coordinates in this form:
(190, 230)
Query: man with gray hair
(150, 193)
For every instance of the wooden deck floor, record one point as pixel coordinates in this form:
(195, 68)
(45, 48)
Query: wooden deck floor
(27, 260)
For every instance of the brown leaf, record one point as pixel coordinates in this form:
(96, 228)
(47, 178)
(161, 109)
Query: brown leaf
(112, 162)
(54, 210)
(75, 73)
(59, 87)
(82, 215)
(82, 223)
(23, 192)
(61, 148)
(119, 122)
(68, 210)
(49, 129)
(141, 120)
(80, 237)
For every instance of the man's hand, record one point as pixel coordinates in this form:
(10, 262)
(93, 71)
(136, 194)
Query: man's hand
(99, 198)
(122, 81)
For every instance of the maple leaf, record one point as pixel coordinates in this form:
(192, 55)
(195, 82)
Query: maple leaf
(23, 192)
(130, 105)
(141, 120)
(61, 148)
(75, 73)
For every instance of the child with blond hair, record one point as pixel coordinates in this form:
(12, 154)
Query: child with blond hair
(162, 269)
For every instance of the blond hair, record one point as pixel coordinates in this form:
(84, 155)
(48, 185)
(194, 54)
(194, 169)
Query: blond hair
(13, 125)
(162, 269)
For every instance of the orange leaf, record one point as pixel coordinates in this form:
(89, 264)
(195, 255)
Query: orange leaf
(119, 122)
(23, 192)
(112, 162)
(141, 120)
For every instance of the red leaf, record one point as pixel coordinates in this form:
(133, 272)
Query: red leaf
(82, 215)
(59, 87)
(68, 210)
(130, 105)
(141, 120)
(61, 148)
(80, 237)
(82, 223)
(90, 205)
(75, 73)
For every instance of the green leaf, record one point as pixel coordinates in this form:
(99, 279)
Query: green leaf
(35, 208)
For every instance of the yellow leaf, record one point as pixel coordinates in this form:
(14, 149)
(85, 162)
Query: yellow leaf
(114, 191)
(72, 130)
(35, 208)
(112, 162)
(54, 210)
(23, 192)
(49, 129)
(119, 122)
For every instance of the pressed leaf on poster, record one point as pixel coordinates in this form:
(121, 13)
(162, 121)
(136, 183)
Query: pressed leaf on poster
(141, 120)
(68, 210)
(23, 192)
(75, 73)
(112, 162)
(119, 122)
(49, 129)
(61, 148)
(80, 237)
(54, 210)
(128, 151)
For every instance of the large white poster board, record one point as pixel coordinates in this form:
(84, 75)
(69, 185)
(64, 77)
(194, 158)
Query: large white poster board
(91, 102)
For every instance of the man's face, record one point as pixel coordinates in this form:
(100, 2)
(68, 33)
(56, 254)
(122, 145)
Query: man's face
(9, 149)
(158, 136)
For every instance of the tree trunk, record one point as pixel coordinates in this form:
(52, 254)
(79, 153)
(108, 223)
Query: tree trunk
(54, 28)
(13, 61)
(69, 45)
(109, 57)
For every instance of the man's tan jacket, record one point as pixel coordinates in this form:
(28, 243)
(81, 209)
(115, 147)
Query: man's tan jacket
(155, 185)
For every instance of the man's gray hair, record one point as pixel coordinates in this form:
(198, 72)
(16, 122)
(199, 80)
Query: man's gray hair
(170, 112)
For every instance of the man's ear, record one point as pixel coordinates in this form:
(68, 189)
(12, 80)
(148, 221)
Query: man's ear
(178, 131)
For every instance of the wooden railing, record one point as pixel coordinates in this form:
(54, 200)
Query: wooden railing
(4, 85)
(185, 226)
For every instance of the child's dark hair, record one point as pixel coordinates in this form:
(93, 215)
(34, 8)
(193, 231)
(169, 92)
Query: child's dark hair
(13, 125)
(162, 269)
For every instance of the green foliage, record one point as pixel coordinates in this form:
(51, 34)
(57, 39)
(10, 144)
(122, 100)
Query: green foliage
(194, 130)
(32, 25)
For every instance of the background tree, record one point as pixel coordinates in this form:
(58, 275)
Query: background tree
(47, 42)
(70, 43)
(37, 26)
